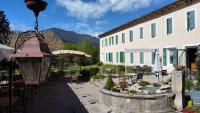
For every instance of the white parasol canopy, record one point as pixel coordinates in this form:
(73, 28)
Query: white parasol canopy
(5, 51)
(70, 52)
(157, 66)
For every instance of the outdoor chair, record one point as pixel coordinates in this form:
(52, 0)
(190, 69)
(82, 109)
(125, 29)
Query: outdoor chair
(134, 68)
(139, 76)
(113, 72)
(145, 69)
(137, 69)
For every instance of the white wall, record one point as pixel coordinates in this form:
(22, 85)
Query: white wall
(179, 38)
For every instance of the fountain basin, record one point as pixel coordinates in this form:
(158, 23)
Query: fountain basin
(136, 103)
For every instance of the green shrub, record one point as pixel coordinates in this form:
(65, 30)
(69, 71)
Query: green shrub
(143, 83)
(116, 89)
(156, 85)
(188, 84)
(99, 63)
(198, 109)
(109, 83)
(197, 87)
(121, 68)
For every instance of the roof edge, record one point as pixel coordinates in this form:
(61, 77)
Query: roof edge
(177, 5)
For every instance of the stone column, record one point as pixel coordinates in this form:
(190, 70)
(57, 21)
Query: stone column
(178, 88)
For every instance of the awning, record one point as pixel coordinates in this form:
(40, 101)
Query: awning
(70, 52)
(142, 50)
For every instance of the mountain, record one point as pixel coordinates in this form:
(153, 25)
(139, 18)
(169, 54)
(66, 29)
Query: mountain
(72, 37)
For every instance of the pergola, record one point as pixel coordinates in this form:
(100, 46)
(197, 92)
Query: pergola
(71, 53)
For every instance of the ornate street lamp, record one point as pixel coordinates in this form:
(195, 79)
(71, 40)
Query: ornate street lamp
(31, 53)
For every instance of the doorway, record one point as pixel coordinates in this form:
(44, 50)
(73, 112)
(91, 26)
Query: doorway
(190, 57)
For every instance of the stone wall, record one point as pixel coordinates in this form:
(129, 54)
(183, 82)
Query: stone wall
(123, 103)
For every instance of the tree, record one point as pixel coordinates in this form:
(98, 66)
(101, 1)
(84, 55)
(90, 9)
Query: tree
(54, 42)
(4, 28)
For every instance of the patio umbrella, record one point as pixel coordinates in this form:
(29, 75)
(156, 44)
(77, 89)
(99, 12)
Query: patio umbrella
(5, 51)
(157, 66)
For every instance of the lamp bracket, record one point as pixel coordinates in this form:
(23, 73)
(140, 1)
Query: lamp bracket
(23, 37)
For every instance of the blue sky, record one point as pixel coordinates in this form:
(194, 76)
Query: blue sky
(83, 16)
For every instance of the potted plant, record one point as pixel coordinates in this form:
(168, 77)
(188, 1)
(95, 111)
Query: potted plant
(179, 67)
(109, 83)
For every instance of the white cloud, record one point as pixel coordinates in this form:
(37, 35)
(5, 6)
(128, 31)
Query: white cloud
(96, 34)
(20, 27)
(97, 8)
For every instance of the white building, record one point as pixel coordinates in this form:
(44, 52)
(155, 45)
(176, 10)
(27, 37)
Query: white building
(174, 30)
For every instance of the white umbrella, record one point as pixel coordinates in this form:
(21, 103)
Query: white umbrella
(5, 51)
(70, 52)
(157, 66)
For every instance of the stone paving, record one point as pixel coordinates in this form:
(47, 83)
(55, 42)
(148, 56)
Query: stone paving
(64, 97)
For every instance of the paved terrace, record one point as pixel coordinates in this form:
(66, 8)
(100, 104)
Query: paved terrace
(57, 97)
(64, 97)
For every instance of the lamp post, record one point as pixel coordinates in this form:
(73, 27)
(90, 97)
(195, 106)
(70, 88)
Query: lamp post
(31, 53)
(34, 57)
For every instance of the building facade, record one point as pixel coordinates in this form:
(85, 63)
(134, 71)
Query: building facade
(174, 30)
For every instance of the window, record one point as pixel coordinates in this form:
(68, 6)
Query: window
(141, 33)
(106, 42)
(110, 57)
(169, 26)
(131, 35)
(117, 57)
(131, 58)
(153, 30)
(109, 41)
(122, 57)
(164, 56)
(170, 56)
(173, 56)
(112, 40)
(190, 20)
(141, 58)
(116, 39)
(106, 57)
(123, 37)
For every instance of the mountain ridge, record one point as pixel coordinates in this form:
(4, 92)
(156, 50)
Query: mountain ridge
(71, 36)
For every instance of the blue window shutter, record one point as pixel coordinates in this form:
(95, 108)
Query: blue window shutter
(192, 20)
(116, 39)
(164, 56)
(106, 57)
(122, 57)
(153, 58)
(131, 58)
(141, 58)
(188, 21)
(123, 38)
(112, 40)
(175, 56)
(117, 57)
(153, 30)
(131, 36)
(169, 25)
(111, 57)
(141, 33)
